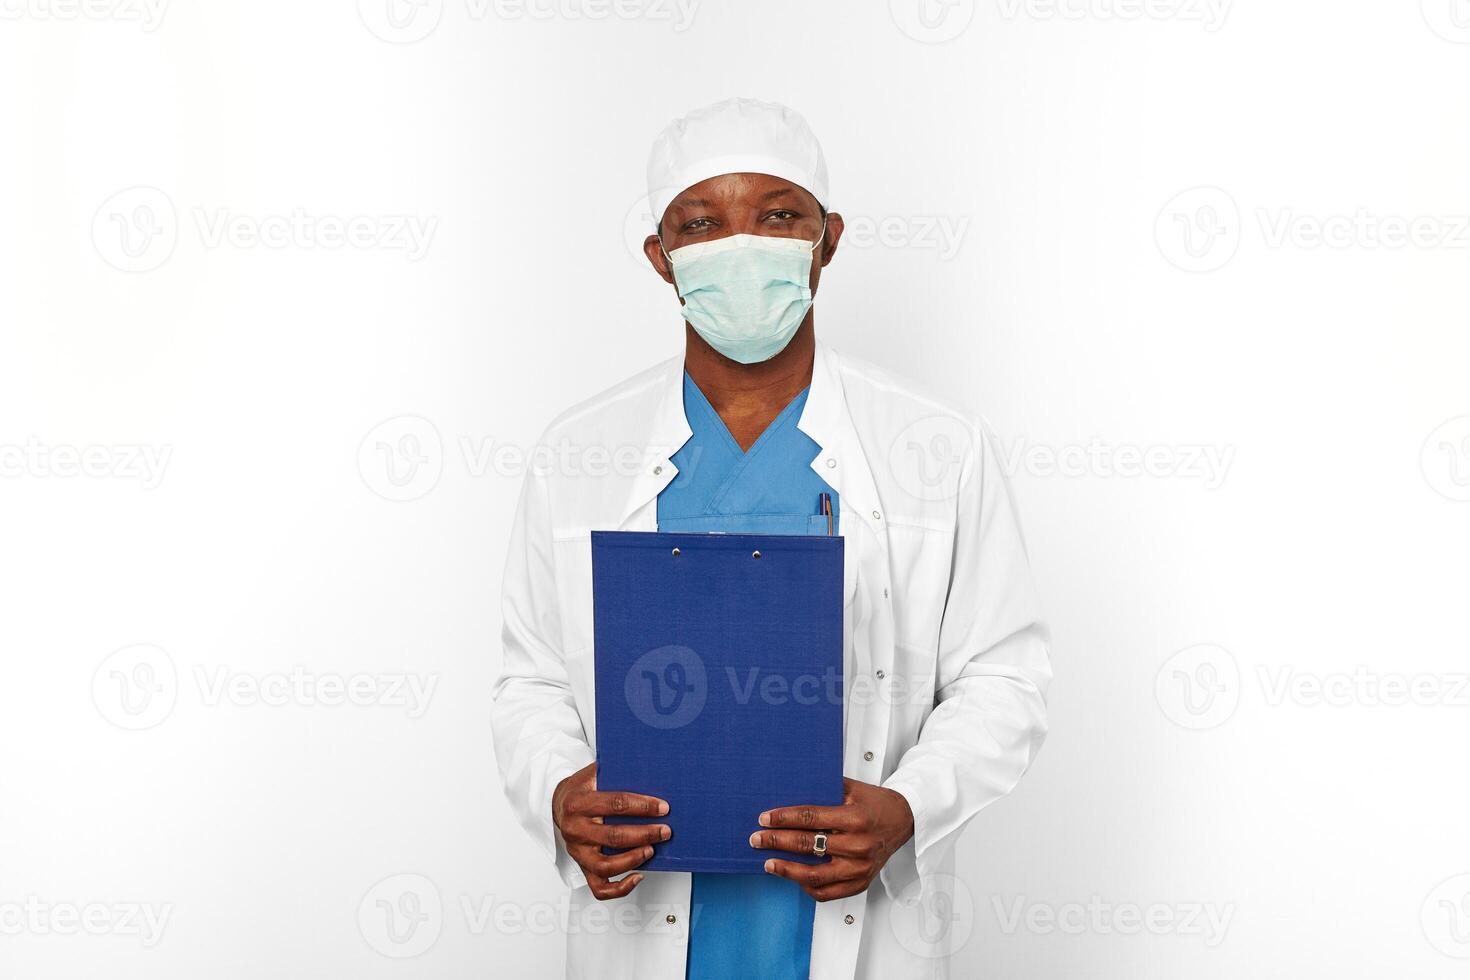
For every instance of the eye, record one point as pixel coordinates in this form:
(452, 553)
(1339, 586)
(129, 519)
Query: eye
(698, 224)
(782, 215)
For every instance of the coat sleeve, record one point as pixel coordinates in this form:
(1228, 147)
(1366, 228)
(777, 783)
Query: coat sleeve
(538, 732)
(989, 716)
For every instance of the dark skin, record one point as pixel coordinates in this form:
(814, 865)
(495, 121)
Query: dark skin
(872, 822)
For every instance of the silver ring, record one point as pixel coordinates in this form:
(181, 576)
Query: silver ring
(819, 844)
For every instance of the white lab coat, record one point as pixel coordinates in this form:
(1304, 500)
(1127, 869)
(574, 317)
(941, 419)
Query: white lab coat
(946, 663)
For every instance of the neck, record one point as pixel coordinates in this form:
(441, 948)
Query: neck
(748, 396)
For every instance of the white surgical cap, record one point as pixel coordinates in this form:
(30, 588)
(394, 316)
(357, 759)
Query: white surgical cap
(736, 136)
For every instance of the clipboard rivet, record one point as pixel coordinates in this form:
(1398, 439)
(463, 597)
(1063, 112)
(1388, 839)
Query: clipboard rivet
(755, 554)
(676, 552)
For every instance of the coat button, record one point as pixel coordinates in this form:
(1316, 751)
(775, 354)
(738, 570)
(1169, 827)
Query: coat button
(877, 516)
(671, 919)
(867, 757)
(848, 919)
(831, 462)
(657, 470)
(881, 675)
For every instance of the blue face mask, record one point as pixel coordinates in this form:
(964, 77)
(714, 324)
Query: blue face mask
(745, 294)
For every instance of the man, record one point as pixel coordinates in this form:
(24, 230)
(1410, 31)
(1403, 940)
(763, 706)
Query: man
(945, 657)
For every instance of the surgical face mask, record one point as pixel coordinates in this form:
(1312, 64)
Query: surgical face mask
(746, 294)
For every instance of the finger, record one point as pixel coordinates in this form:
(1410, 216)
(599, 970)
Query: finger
(625, 835)
(602, 889)
(805, 842)
(592, 859)
(815, 875)
(581, 830)
(600, 804)
(811, 817)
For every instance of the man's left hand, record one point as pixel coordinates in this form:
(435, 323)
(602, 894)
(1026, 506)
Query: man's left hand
(862, 834)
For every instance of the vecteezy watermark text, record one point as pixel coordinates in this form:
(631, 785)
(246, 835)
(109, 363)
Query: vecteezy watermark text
(146, 13)
(137, 687)
(1208, 464)
(403, 916)
(1201, 686)
(138, 228)
(1210, 14)
(410, 21)
(1208, 921)
(298, 686)
(124, 461)
(34, 916)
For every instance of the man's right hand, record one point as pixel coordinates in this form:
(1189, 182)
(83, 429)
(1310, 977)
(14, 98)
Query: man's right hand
(577, 809)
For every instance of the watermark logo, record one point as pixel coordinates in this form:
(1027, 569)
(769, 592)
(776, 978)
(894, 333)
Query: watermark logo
(401, 916)
(638, 224)
(932, 21)
(400, 21)
(136, 687)
(927, 458)
(1445, 917)
(1450, 19)
(136, 229)
(402, 458)
(667, 687)
(1199, 687)
(1199, 229)
(933, 917)
(1445, 459)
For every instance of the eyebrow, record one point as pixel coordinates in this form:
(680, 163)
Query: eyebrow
(701, 202)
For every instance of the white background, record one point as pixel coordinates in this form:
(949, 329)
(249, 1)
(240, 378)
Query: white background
(1044, 258)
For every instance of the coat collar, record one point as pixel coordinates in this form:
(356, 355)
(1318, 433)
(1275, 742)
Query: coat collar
(825, 418)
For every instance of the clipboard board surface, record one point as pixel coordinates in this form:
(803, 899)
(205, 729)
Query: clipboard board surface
(719, 684)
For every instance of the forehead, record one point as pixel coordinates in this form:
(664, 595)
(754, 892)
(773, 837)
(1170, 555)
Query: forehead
(743, 190)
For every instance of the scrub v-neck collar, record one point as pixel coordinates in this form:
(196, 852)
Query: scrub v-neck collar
(696, 402)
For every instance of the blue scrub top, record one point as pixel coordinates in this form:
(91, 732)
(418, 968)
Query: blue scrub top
(747, 925)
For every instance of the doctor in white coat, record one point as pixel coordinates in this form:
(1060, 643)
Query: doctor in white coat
(946, 664)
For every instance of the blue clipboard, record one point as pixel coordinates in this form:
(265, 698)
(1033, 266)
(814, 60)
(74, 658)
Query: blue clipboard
(719, 684)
